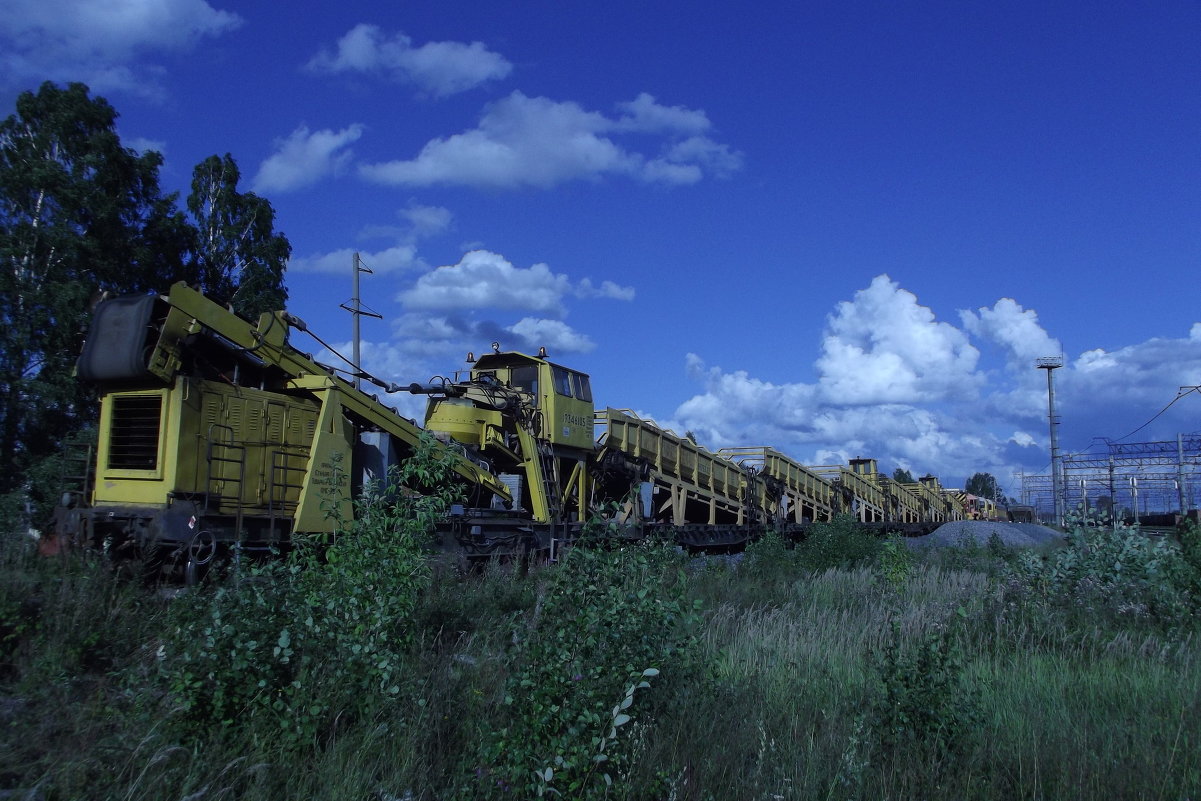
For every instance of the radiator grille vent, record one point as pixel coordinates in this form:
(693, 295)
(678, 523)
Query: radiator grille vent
(133, 444)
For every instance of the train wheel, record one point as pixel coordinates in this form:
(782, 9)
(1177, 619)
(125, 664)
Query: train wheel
(201, 550)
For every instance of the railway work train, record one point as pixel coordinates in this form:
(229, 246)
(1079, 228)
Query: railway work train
(217, 435)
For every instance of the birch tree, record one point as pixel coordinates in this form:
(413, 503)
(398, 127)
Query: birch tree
(79, 215)
(240, 258)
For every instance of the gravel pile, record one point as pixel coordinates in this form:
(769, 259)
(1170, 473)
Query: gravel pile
(1013, 534)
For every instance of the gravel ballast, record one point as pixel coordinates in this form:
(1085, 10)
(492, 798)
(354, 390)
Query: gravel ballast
(1017, 535)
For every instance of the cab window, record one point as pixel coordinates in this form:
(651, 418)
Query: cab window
(562, 381)
(525, 379)
(583, 390)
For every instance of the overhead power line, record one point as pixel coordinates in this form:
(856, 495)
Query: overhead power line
(1179, 394)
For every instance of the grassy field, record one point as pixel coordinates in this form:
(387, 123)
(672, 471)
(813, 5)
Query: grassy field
(846, 668)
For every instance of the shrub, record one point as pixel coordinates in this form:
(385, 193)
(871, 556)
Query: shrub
(607, 624)
(1115, 574)
(894, 563)
(322, 637)
(770, 559)
(921, 704)
(842, 542)
(991, 558)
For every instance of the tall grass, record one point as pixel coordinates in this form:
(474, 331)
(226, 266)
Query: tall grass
(784, 693)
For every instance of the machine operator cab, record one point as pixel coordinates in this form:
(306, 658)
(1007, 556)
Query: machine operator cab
(528, 420)
(549, 400)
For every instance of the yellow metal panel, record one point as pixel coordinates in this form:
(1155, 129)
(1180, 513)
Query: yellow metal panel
(405, 430)
(326, 493)
(692, 473)
(123, 485)
(806, 493)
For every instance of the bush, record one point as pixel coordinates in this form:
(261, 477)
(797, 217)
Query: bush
(842, 542)
(992, 558)
(921, 712)
(607, 624)
(894, 563)
(1114, 574)
(770, 559)
(294, 648)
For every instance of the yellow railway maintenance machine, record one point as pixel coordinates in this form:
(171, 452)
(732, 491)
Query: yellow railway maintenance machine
(217, 436)
(530, 422)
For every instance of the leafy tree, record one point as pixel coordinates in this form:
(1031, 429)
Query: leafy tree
(239, 257)
(903, 476)
(984, 485)
(79, 215)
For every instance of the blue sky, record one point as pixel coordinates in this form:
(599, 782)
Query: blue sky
(843, 229)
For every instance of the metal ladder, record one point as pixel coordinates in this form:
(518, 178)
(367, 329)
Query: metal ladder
(284, 477)
(77, 474)
(548, 470)
(224, 452)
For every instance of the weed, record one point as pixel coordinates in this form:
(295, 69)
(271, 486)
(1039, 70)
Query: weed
(1115, 575)
(842, 542)
(607, 623)
(922, 704)
(299, 648)
(894, 563)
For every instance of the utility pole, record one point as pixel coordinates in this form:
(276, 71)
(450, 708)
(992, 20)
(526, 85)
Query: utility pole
(356, 311)
(1180, 472)
(1113, 497)
(1134, 498)
(1050, 364)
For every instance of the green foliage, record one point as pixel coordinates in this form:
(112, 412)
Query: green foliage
(770, 556)
(79, 214)
(1115, 574)
(297, 648)
(922, 705)
(1188, 573)
(19, 611)
(894, 563)
(842, 542)
(607, 623)
(62, 616)
(903, 476)
(991, 558)
(801, 698)
(983, 485)
(239, 257)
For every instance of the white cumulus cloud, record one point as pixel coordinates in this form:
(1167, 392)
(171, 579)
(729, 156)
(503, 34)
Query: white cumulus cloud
(535, 141)
(607, 289)
(419, 222)
(884, 347)
(437, 68)
(1015, 329)
(392, 259)
(483, 298)
(427, 220)
(555, 335)
(895, 384)
(305, 157)
(483, 279)
(65, 40)
(486, 280)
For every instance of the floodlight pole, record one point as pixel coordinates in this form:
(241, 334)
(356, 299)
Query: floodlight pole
(1050, 364)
